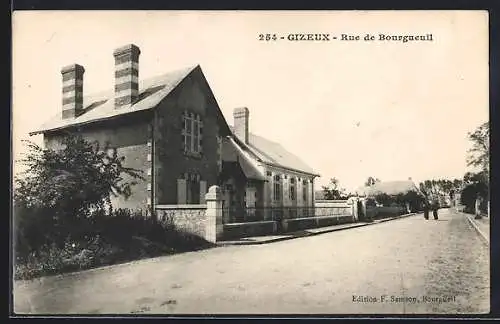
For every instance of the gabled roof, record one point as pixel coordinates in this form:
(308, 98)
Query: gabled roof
(274, 154)
(100, 106)
(388, 187)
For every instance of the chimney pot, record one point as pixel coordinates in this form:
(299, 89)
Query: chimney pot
(126, 75)
(72, 90)
(241, 121)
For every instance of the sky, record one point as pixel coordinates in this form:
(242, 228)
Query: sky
(349, 109)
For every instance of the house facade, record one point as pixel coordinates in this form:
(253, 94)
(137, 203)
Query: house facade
(260, 175)
(172, 129)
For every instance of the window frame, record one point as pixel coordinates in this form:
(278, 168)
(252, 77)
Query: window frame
(277, 189)
(304, 191)
(192, 132)
(292, 192)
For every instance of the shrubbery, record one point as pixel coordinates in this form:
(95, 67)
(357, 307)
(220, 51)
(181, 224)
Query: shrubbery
(98, 240)
(63, 218)
(411, 198)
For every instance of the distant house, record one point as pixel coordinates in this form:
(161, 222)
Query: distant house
(392, 189)
(171, 127)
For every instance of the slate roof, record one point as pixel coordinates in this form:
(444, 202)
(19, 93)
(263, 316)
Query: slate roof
(246, 163)
(100, 106)
(273, 153)
(388, 187)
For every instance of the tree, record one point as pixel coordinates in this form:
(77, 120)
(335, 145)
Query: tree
(479, 154)
(332, 191)
(384, 199)
(371, 181)
(470, 193)
(476, 185)
(439, 189)
(68, 184)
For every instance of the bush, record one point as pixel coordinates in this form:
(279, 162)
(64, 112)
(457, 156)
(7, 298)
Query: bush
(469, 195)
(63, 216)
(101, 239)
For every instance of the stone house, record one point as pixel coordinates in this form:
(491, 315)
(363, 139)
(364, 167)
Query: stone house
(391, 188)
(171, 127)
(259, 174)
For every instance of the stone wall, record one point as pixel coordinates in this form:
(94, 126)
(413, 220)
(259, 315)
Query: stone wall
(332, 208)
(233, 231)
(335, 220)
(382, 212)
(332, 203)
(189, 218)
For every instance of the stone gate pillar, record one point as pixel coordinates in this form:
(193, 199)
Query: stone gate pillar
(364, 209)
(214, 228)
(354, 208)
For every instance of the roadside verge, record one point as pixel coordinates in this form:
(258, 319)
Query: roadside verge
(484, 236)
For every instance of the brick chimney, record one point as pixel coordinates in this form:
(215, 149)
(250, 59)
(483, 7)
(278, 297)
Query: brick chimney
(72, 90)
(126, 75)
(241, 116)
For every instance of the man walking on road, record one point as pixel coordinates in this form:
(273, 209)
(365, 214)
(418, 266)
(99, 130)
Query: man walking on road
(426, 209)
(435, 207)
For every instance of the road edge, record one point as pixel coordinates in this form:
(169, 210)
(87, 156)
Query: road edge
(483, 236)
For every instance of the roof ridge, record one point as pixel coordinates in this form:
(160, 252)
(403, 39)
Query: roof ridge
(267, 157)
(147, 80)
(231, 127)
(105, 109)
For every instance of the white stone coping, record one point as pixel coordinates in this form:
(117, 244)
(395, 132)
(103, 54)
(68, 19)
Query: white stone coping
(175, 207)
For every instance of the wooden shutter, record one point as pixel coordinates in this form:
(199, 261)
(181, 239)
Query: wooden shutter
(203, 191)
(181, 191)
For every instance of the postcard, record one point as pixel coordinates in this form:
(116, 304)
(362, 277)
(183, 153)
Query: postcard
(250, 163)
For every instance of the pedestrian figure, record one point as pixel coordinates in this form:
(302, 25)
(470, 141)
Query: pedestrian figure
(426, 210)
(435, 207)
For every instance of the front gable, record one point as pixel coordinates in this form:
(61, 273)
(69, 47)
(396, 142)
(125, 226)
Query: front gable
(188, 129)
(194, 94)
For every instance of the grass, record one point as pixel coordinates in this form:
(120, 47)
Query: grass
(105, 241)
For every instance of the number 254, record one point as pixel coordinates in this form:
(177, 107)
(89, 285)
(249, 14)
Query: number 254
(267, 37)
